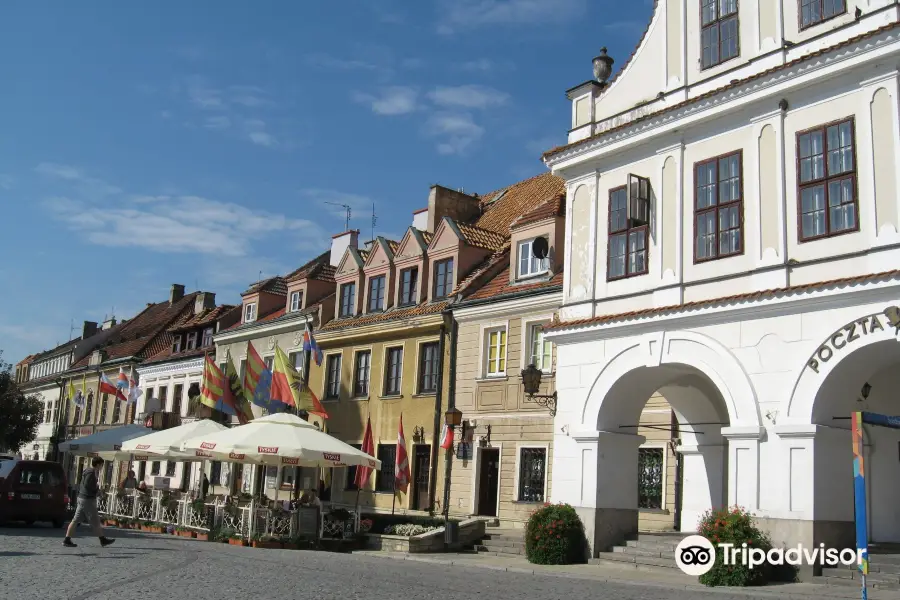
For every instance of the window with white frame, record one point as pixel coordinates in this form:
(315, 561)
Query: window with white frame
(207, 337)
(540, 349)
(529, 264)
(532, 474)
(250, 312)
(192, 341)
(176, 344)
(296, 301)
(495, 363)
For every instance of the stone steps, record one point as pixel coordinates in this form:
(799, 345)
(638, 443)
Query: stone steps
(646, 552)
(502, 542)
(884, 571)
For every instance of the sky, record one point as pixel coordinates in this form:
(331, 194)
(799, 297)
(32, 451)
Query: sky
(146, 144)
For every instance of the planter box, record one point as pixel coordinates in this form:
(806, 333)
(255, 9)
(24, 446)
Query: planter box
(185, 534)
(236, 542)
(289, 546)
(154, 530)
(432, 541)
(202, 536)
(269, 545)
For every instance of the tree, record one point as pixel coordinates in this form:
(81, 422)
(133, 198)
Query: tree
(21, 414)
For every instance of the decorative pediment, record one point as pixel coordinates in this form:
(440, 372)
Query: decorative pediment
(351, 263)
(381, 253)
(414, 243)
(447, 235)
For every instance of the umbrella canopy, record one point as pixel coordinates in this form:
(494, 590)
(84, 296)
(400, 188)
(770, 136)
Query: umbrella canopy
(167, 443)
(106, 444)
(280, 439)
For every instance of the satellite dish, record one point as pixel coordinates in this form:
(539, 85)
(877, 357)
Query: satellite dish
(540, 248)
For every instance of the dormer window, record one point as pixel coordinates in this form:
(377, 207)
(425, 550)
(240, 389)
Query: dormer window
(529, 264)
(207, 337)
(348, 299)
(296, 301)
(176, 345)
(376, 293)
(443, 278)
(250, 312)
(409, 280)
(192, 341)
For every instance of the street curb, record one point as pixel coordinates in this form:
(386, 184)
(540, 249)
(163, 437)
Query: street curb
(753, 592)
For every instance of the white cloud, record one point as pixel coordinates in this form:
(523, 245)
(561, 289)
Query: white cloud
(456, 131)
(88, 185)
(217, 122)
(468, 96)
(174, 224)
(396, 100)
(256, 133)
(458, 15)
(329, 62)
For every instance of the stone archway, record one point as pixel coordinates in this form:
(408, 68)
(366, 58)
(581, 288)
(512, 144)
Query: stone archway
(713, 400)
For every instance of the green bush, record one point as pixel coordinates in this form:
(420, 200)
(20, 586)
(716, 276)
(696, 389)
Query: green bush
(555, 536)
(735, 526)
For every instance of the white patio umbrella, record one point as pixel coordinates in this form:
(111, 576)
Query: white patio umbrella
(106, 444)
(167, 443)
(280, 439)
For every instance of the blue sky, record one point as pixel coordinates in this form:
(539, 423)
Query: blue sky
(197, 142)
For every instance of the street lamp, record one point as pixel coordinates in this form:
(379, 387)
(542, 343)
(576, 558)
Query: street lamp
(531, 379)
(452, 418)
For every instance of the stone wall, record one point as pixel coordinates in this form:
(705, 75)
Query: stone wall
(470, 531)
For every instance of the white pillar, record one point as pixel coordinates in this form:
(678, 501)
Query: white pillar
(703, 482)
(743, 466)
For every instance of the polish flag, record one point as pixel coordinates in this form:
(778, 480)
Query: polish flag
(447, 438)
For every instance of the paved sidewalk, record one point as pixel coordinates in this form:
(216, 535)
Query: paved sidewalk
(629, 576)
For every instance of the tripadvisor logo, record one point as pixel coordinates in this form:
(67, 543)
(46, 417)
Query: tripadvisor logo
(695, 555)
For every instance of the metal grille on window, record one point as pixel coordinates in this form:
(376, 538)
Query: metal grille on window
(361, 379)
(650, 478)
(532, 474)
(387, 454)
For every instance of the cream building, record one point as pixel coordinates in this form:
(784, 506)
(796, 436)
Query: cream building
(732, 242)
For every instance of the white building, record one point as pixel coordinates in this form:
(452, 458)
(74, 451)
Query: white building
(732, 242)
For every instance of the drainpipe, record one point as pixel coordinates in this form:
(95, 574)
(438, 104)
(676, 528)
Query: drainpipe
(436, 435)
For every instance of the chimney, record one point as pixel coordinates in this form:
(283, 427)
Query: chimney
(340, 243)
(444, 202)
(204, 301)
(88, 329)
(176, 294)
(108, 324)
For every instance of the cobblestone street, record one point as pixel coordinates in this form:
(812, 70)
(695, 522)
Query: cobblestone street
(35, 566)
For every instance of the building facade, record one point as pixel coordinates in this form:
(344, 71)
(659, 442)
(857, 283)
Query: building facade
(731, 244)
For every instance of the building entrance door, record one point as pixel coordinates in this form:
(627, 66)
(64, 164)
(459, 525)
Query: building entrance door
(488, 476)
(421, 466)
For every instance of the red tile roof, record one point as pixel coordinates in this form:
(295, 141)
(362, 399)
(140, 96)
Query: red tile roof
(272, 285)
(499, 285)
(737, 83)
(167, 354)
(730, 300)
(206, 317)
(392, 314)
(501, 207)
(146, 334)
(481, 238)
(318, 268)
(552, 207)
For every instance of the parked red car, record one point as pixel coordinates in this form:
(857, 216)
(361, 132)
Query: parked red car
(33, 490)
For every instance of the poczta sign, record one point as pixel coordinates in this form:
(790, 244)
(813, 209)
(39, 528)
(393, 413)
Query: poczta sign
(851, 332)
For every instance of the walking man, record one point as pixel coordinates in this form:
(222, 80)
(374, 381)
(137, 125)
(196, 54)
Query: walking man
(87, 505)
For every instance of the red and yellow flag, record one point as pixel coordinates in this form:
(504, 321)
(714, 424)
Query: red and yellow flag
(288, 386)
(213, 387)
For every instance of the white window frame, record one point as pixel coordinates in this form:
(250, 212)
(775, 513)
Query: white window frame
(518, 467)
(528, 326)
(665, 470)
(528, 243)
(384, 371)
(296, 300)
(418, 370)
(191, 341)
(250, 312)
(211, 332)
(176, 344)
(486, 350)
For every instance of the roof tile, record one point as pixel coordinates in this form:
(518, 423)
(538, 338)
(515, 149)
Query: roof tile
(501, 207)
(481, 238)
(392, 314)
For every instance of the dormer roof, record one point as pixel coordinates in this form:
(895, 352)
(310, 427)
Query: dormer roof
(273, 285)
(552, 207)
(319, 268)
(478, 237)
(389, 247)
(353, 256)
(501, 207)
(207, 317)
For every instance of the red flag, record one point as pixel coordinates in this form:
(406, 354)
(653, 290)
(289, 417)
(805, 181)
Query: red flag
(368, 446)
(447, 439)
(401, 468)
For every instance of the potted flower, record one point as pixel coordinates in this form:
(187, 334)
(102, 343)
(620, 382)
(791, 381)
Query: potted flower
(184, 532)
(266, 541)
(201, 535)
(236, 541)
(365, 525)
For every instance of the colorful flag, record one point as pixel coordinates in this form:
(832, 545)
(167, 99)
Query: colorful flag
(401, 468)
(235, 392)
(122, 381)
(368, 446)
(213, 387)
(70, 391)
(106, 387)
(134, 392)
(258, 382)
(447, 438)
(288, 386)
(310, 345)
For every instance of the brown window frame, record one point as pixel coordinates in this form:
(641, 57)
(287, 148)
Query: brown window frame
(717, 23)
(627, 231)
(852, 174)
(393, 371)
(821, 4)
(718, 205)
